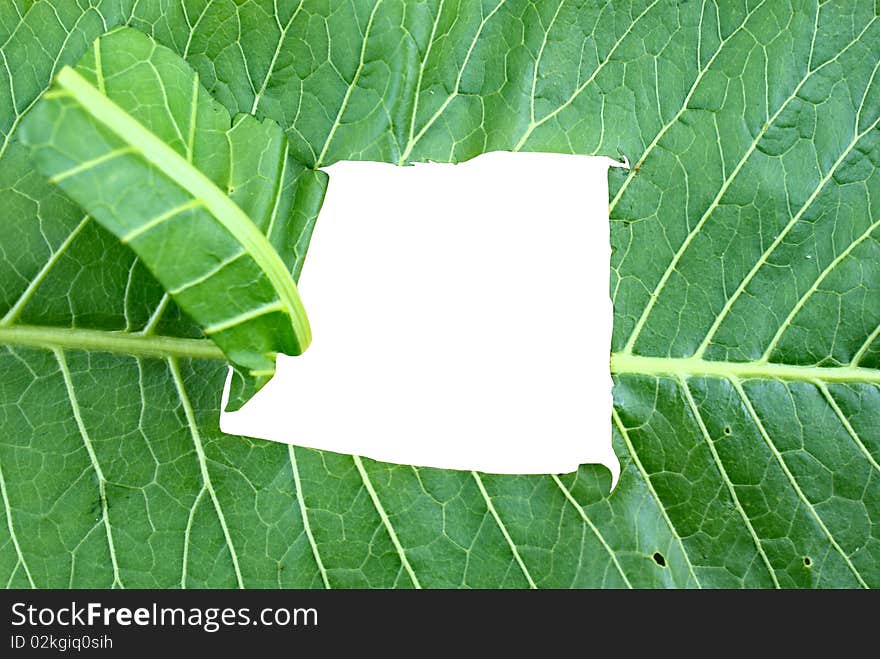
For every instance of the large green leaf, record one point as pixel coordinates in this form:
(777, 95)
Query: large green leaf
(744, 283)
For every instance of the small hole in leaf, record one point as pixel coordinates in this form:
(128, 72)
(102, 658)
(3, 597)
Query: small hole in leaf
(808, 562)
(659, 559)
(726, 430)
(626, 223)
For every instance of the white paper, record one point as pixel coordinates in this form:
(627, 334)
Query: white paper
(461, 318)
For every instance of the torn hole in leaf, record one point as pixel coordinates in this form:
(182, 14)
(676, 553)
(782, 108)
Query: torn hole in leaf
(460, 318)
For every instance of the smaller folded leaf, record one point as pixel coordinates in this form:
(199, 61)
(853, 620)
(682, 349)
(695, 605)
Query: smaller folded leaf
(214, 207)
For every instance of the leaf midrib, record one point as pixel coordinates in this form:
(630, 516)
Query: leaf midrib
(152, 345)
(126, 343)
(627, 363)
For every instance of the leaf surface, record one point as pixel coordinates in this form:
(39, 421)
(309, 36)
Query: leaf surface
(744, 282)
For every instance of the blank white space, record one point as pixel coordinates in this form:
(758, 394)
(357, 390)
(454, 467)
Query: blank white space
(460, 315)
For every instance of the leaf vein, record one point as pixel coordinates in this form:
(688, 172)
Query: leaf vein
(727, 482)
(800, 493)
(203, 464)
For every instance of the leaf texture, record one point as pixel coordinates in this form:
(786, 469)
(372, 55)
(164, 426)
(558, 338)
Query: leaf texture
(744, 282)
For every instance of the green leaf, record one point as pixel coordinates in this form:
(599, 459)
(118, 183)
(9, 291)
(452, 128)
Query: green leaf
(744, 281)
(132, 136)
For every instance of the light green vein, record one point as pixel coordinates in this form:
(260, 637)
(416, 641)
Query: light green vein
(510, 543)
(279, 190)
(692, 366)
(456, 89)
(88, 165)
(350, 89)
(159, 220)
(50, 338)
(28, 294)
(806, 502)
(417, 93)
(271, 68)
(193, 115)
(187, 533)
(304, 513)
(862, 351)
(823, 388)
(583, 515)
(374, 497)
(156, 316)
(724, 477)
(192, 26)
(203, 464)
(96, 466)
(241, 318)
(534, 125)
(539, 57)
(207, 274)
(11, 527)
(624, 433)
(177, 168)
